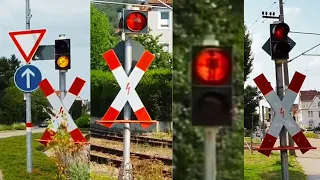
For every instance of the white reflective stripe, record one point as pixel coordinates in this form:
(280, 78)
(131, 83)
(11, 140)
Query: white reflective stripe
(69, 100)
(71, 124)
(274, 100)
(290, 124)
(289, 98)
(135, 101)
(121, 76)
(56, 123)
(135, 77)
(120, 100)
(28, 129)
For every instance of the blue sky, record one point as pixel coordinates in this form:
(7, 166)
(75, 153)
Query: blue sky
(70, 17)
(300, 16)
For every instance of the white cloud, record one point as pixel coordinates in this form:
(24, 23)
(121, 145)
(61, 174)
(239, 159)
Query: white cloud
(291, 11)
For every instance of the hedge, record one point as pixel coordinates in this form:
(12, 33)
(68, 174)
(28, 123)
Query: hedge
(154, 90)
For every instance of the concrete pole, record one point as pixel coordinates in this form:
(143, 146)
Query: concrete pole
(28, 105)
(210, 135)
(127, 167)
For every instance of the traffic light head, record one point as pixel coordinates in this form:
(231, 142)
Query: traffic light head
(135, 21)
(211, 86)
(280, 46)
(62, 54)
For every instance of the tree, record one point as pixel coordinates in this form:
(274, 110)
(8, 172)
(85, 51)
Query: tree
(8, 66)
(193, 20)
(103, 38)
(40, 107)
(251, 102)
(163, 59)
(248, 58)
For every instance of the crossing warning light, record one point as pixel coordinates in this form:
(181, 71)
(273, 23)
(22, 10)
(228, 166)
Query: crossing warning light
(62, 54)
(135, 21)
(280, 46)
(211, 86)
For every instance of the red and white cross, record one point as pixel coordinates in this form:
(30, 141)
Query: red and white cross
(62, 108)
(282, 113)
(127, 92)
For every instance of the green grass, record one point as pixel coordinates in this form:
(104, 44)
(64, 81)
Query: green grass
(261, 167)
(310, 134)
(254, 140)
(94, 176)
(13, 160)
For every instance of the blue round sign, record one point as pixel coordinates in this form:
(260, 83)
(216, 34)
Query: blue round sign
(27, 78)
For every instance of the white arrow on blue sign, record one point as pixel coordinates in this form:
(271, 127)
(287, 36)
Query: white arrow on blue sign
(27, 78)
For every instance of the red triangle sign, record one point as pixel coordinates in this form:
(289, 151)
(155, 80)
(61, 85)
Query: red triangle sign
(27, 42)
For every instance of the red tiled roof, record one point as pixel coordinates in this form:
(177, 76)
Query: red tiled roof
(308, 95)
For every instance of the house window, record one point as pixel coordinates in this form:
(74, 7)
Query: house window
(164, 19)
(311, 123)
(319, 113)
(165, 46)
(310, 114)
(318, 104)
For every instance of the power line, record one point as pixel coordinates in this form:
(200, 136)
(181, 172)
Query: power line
(261, 16)
(304, 33)
(303, 53)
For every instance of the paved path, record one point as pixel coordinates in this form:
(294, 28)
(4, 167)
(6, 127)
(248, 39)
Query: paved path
(310, 161)
(6, 134)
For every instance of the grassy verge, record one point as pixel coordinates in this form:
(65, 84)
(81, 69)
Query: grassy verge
(254, 140)
(13, 160)
(14, 126)
(159, 135)
(95, 176)
(261, 167)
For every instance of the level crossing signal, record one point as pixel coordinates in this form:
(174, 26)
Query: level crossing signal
(135, 21)
(62, 54)
(280, 46)
(211, 86)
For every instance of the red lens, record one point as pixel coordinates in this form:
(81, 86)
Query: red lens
(280, 33)
(212, 66)
(136, 21)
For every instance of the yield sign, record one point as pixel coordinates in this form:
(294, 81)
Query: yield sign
(282, 114)
(27, 42)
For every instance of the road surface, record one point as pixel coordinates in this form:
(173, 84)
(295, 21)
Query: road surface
(6, 134)
(310, 161)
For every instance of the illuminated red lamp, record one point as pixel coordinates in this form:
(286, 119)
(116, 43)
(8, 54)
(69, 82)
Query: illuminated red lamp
(281, 31)
(136, 21)
(212, 66)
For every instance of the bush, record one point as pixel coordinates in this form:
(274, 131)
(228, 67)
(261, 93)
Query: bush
(154, 89)
(5, 127)
(83, 121)
(19, 126)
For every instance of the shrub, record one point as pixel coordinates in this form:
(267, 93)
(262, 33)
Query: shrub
(154, 89)
(5, 127)
(19, 126)
(83, 121)
(69, 157)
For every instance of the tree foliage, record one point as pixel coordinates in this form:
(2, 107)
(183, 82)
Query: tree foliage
(251, 102)
(193, 20)
(248, 58)
(12, 104)
(103, 38)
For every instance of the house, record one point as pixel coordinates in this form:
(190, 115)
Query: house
(308, 112)
(160, 22)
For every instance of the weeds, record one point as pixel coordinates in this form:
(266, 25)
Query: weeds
(148, 169)
(14, 126)
(72, 159)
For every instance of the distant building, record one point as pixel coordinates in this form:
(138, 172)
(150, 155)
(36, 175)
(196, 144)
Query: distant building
(308, 112)
(160, 22)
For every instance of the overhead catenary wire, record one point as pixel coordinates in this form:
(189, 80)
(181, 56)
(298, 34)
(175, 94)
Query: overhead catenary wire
(261, 16)
(303, 53)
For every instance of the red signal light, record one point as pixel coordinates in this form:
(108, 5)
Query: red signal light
(281, 31)
(136, 21)
(212, 66)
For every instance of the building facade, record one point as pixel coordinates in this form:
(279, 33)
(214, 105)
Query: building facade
(160, 22)
(308, 113)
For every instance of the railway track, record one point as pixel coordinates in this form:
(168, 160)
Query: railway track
(117, 163)
(166, 161)
(109, 135)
